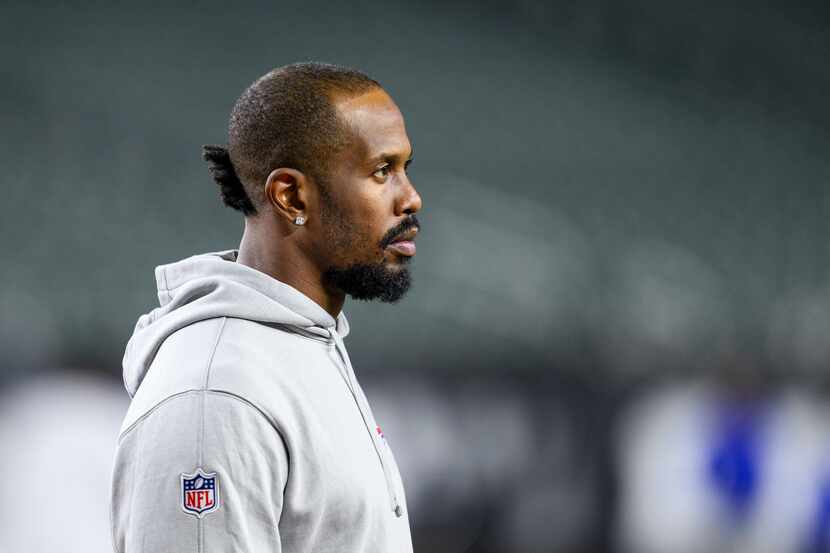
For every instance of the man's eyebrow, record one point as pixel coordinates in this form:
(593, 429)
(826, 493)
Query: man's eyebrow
(392, 157)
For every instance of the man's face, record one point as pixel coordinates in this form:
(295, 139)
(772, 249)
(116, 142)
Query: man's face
(368, 203)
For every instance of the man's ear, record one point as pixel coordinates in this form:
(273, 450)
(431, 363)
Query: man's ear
(287, 190)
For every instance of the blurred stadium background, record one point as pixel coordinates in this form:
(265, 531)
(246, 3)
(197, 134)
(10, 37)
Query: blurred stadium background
(618, 336)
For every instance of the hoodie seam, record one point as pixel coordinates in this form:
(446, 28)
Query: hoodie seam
(132, 498)
(208, 368)
(271, 422)
(152, 410)
(217, 392)
(166, 288)
(200, 537)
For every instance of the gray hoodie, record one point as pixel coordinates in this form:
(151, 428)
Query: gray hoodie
(248, 431)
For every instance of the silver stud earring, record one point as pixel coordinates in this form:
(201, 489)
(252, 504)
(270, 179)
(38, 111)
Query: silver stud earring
(300, 220)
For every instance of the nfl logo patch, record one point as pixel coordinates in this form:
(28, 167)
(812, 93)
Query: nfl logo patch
(199, 493)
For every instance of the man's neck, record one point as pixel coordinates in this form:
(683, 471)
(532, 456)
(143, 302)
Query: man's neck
(268, 251)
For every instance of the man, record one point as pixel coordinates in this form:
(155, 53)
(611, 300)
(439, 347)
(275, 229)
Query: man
(248, 430)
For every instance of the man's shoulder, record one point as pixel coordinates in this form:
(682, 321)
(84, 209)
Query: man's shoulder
(252, 361)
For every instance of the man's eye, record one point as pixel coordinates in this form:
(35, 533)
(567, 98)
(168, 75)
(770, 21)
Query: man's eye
(382, 172)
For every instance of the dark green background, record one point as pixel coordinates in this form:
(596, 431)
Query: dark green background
(589, 169)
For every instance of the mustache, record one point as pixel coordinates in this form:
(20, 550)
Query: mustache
(410, 222)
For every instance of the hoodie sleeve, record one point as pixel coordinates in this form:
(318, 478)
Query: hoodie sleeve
(203, 472)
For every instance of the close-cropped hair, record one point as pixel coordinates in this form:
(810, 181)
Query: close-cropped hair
(286, 118)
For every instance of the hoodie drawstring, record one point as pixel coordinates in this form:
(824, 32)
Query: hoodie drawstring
(368, 420)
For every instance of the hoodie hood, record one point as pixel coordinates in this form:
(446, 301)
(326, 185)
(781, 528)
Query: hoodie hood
(213, 285)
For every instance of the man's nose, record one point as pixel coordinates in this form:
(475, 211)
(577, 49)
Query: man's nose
(410, 200)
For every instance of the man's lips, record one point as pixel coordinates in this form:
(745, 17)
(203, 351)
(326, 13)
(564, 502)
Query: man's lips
(405, 243)
(403, 247)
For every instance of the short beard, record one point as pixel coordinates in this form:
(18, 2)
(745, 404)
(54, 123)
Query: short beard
(366, 282)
